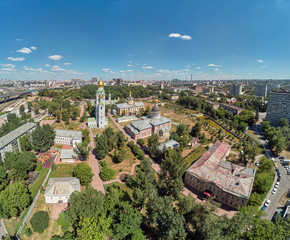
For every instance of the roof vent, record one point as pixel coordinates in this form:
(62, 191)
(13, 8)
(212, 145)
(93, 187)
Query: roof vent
(237, 183)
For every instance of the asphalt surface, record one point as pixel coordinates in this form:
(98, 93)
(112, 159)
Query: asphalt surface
(284, 182)
(3, 232)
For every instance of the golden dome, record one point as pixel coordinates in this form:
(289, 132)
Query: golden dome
(156, 100)
(101, 96)
(100, 83)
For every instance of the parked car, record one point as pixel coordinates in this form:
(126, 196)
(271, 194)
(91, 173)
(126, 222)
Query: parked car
(275, 165)
(288, 173)
(257, 164)
(279, 174)
(277, 184)
(273, 159)
(277, 170)
(267, 203)
(274, 190)
(279, 179)
(263, 208)
(282, 158)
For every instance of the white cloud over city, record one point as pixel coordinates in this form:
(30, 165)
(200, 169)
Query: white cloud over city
(16, 59)
(55, 57)
(178, 35)
(24, 50)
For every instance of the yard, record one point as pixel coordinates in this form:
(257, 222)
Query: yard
(126, 165)
(110, 124)
(34, 187)
(73, 125)
(63, 170)
(53, 227)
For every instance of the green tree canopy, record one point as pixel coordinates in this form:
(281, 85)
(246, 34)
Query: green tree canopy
(13, 199)
(39, 221)
(25, 143)
(83, 172)
(43, 138)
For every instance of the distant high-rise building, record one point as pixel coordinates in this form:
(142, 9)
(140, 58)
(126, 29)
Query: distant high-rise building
(236, 89)
(278, 107)
(261, 90)
(118, 81)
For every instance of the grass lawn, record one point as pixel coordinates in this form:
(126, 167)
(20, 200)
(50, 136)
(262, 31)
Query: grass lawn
(126, 165)
(34, 187)
(73, 125)
(53, 227)
(253, 134)
(194, 155)
(13, 224)
(63, 170)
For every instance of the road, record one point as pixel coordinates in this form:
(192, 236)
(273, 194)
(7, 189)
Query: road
(284, 183)
(3, 231)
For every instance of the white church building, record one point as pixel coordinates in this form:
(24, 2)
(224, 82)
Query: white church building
(100, 121)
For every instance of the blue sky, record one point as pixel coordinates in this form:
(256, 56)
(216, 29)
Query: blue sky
(144, 39)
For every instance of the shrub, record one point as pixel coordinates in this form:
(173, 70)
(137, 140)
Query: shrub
(53, 166)
(27, 232)
(63, 221)
(107, 173)
(39, 221)
(83, 172)
(119, 156)
(140, 142)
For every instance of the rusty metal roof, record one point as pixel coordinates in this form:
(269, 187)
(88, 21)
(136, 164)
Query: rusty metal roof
(212, 167)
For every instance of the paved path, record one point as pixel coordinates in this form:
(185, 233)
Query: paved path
(3, 231)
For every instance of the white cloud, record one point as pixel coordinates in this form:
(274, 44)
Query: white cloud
(8, 67)
(17, 59)
(213, 65)
(24, 50)
(67, 64)
(47, 65)
(260, 61)
(184, 70)
(264, 66)
(147, 67)
(216, 69)
(129, 65)
(19, 39)
(33, 69)
(106, 69)
(122, 71)
(129, 70)
(185, 37)
(174, 35)
(33, 48)
(55, 57)
(57, 68)
(178, 35)
(198, 68)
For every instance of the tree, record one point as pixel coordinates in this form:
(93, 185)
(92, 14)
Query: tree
(58, 115)
(39, 221)
(102, 147)
(82, 150)
(87, 204)
(83, 172)
(284, 122)
(107, 173)
(36, 108)
(110, 136)
(75, 113)
(182, 129)
(13, 200)
(3, 178)
(83, 118)
(95, 229)
(21, 163)
(195, 131)
(63, 221)
(119, 156)
(170, 225)
(25, 143)
(22, 110)
(251, 151)
(257, 115)
(43, 138)
(126, 220)
(120, 140)
(172, 170)
(29, 106)
(65, 114)
(153, 142)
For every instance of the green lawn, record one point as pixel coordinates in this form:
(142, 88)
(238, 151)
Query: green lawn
(63, 170)
(13, 224)
(194, 155)
(34, 187)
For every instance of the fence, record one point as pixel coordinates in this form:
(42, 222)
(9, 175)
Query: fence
(34, 202)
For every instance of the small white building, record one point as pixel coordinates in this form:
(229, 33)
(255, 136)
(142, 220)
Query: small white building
(68, 137)
(68, 156)
(92, 123)
(58, 190)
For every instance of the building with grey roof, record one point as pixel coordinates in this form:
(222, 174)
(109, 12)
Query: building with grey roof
(10, 142)
(214, 176)
(130, 107)
(169, 144)
(68, 155)
(154, 123)
(58, 190)
(68, 137)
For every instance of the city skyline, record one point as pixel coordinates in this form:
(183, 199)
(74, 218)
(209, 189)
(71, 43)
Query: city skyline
(150, 40)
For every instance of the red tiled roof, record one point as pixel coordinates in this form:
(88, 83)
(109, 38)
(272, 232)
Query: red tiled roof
(211, 167)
